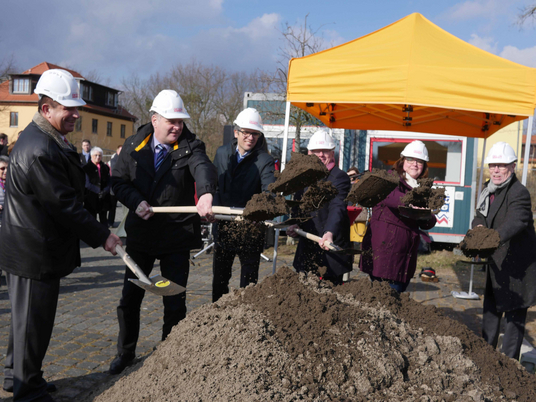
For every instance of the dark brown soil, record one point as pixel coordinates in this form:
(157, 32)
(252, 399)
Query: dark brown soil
(317, 195)
(372, 188)
(480, 241)
(241, 235)
(265, 206)
(293, 337)
(301, 171)
(425, 196)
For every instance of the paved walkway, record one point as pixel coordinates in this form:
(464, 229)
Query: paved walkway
(84, 338)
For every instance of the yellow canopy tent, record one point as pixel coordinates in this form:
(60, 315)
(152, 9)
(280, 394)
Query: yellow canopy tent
(412, 76)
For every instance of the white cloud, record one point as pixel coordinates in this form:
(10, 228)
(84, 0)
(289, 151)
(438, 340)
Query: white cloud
(475, 9)
(525, 56)
(486, 43)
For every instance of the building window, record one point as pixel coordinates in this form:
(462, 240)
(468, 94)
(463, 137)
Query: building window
(123, 129)
(14, 119)
(94, 126)
(111, 99)
(87, 92)
(109, 129)
(78, 126)
(21, 85)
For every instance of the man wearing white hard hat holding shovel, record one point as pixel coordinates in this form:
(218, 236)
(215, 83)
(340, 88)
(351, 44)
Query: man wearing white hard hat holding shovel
(505, 205)
(163, 164)
(331, 222)
(44, 219)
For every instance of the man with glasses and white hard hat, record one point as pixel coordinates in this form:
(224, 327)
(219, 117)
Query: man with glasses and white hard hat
(244, 168)
(505, 205)
(331, 222)
(43, 222)
(163, 164)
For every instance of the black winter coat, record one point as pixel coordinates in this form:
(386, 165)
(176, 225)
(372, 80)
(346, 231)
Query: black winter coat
(238, 182)
(134, 180)
(332, 217)
(44, 216)
(513, 276)
(97, 184)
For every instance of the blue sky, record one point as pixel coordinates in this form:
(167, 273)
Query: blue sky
(120, 38)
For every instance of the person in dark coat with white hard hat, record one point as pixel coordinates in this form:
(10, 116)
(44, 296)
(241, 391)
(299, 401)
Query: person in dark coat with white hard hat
(42, 225)
(331, 222)
(244, 169)
(389, 248)
(163, 164)
(505, 205)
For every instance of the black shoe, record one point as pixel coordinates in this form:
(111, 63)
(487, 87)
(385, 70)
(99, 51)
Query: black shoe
(121, 362)
(8, 386)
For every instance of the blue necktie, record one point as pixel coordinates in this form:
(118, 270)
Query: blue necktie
(160, 156)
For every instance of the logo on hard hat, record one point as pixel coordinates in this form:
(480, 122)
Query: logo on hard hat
(178, 109)
(75, 96)
(252, 122)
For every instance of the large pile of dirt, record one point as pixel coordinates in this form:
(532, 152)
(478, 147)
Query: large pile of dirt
(293, 338)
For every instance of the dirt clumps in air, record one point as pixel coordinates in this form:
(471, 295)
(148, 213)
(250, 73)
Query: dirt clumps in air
(372, 188)
(300, 172)
(265, 206)
(293, 337)
(480, 241)
(424, 196)
(317, 195)
(241, 235)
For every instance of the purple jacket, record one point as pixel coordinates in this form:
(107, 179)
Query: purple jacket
(391, 242)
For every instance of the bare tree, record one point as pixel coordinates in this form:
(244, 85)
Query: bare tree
(526, 13)
(7, 66)
(298, 41)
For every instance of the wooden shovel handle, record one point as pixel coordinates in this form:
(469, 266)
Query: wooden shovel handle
(193, 210)
(315, 238)
(132, 265)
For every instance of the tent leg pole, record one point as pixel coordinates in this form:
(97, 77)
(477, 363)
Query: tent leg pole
(480, 179)
(526, 157)
(285, 137)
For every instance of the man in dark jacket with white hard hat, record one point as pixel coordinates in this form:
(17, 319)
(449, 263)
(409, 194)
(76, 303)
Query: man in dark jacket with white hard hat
(44, 219)
(504, 205)
(163, 164)
(244, 168)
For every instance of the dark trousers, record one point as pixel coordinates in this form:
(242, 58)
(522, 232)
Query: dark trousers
(491, 323)
(174, 267)
(101, 214)
(33, 309)
(111, 212)
(222, 269)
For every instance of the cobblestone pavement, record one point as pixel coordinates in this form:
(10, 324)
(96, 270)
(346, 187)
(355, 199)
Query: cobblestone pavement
(84, 338)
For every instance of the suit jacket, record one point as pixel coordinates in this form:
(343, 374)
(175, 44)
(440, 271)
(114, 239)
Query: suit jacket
(83, 160)
(513, 271)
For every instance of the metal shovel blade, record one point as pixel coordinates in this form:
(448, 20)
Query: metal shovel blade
(160, 286)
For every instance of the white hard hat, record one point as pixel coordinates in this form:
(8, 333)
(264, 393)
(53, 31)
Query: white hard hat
(321, 140)
(416, 149)
(169, 104)
(501, 152)
(249, 118)
(60, 86)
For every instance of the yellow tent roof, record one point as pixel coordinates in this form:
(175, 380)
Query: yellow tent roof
(413, 76)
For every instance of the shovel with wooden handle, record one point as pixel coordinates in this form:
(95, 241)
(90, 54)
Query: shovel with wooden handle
(193, 210)
(332, 247)
(156, 284)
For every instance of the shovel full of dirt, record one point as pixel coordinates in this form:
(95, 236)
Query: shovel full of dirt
(300, 172)
(480, 241)
(156, 284)
(372, 188)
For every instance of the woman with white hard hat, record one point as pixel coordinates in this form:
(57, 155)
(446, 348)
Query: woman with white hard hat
(505, 205)
(330, 223)
(389, 248)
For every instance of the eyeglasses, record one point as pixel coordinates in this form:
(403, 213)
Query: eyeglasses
(246, 134)
(502, 167)
(418, 161)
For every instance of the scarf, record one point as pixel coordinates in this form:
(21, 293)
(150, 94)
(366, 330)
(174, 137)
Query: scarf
(491, 188)
(411, 181)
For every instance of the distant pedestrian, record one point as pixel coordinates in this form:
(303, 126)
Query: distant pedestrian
(113, 198)
(505, 205)
(85, 155)
(3, 144)
(97, 200)
(43, 222)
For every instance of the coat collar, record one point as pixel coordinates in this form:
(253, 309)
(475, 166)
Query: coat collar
(500, 196)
